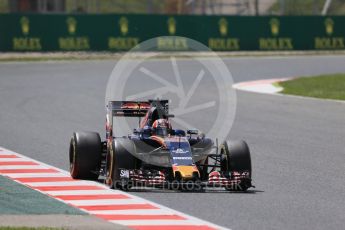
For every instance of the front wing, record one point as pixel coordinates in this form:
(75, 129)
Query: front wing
(156, 178)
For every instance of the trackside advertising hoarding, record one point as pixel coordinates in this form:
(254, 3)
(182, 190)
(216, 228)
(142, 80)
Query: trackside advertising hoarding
(108, 32)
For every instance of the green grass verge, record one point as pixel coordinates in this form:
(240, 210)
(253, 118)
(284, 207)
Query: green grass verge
(17, 199)
(324, 86)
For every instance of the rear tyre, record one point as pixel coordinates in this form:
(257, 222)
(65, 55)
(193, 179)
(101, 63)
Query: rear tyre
(85, 155)
(236, 157)
(123, 159)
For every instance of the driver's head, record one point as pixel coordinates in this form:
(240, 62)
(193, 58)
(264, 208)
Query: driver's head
(161, 127)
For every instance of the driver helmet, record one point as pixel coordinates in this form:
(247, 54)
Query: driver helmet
(161, 127)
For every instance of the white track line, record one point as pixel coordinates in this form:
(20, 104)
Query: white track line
(34, 175)
(59, 183)
(80, 192)
(13, 159)
(267, 87)
(261, 86)
(58, 189)
(22, 167)
(157, 222)
(104, 202)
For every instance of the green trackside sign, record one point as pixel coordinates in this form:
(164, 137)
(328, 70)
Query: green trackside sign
(122, 32)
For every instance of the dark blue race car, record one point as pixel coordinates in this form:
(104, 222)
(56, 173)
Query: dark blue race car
(156, 155)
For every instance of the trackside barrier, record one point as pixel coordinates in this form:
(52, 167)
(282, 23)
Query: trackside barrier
(110, 32)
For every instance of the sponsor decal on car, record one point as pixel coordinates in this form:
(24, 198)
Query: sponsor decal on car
(180, 151)
(182, 158)
(124, 173)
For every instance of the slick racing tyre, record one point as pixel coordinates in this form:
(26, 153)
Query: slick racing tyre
(85, 155)
(236, 157)
(122, 160)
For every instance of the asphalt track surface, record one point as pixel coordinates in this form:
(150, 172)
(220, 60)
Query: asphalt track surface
(297, 145)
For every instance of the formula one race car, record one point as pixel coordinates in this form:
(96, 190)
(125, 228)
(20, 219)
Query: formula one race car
(156, 155)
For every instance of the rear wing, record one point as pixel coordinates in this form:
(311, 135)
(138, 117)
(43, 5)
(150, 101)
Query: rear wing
(136, 108)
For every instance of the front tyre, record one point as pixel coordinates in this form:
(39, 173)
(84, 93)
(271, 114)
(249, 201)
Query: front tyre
(85, 155)
(123, 159)
(236, 158)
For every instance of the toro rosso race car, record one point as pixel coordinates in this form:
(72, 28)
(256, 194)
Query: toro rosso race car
(156, 155)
